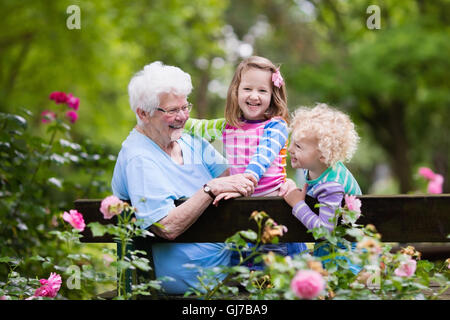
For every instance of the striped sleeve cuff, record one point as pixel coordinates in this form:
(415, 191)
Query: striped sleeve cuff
(299, 209)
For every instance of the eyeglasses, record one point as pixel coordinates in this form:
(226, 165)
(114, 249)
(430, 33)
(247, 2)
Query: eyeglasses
(173, 112)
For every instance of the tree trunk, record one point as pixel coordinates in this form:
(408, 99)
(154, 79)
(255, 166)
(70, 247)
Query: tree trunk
(400, 145)
(441, 164)
(202, 97)
(387, 124)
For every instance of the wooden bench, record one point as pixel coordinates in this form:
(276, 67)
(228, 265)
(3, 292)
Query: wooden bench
(404, 219)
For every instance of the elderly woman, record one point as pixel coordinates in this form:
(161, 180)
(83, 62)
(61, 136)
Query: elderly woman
(158, 164)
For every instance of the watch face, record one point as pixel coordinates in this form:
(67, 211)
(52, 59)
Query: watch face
(207, 188)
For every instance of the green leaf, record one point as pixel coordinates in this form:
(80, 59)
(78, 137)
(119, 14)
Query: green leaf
(275, 240)
(249, 234)
(355, 233)
(37, 258)
(425, 265)
(236, 239)
(55, 182)
(14, 119)
(319, 232)
(141, 264)
(73, 146)
(97, 229)
(5, 259)
(58, 159)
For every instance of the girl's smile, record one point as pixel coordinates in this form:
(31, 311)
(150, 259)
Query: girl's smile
(255, 93)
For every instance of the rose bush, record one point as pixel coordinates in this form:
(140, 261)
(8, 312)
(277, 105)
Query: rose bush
(384, 274)
(39, 178)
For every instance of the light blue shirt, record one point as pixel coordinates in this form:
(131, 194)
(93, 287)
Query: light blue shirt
(151, 180)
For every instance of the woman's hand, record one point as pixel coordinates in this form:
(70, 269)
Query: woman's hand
(249, 189)
(296, 195)
(236, 183)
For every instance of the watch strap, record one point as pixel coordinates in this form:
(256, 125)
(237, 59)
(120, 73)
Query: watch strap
(207, 189)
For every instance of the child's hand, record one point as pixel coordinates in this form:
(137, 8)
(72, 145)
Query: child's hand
(226, 196)
(251, 177)
(287, 187)
(296, 195)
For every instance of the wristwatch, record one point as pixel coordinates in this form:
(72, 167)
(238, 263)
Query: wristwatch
(208, 190)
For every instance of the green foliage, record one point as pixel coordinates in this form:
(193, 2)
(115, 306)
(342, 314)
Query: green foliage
(392, 81)
(40, 54)
(39, 179)
(127, 229)
(379, 278)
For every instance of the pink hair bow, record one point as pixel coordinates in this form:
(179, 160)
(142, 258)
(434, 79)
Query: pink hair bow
(277, 79)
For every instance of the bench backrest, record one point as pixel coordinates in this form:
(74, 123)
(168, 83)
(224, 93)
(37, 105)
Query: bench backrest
(399, 218)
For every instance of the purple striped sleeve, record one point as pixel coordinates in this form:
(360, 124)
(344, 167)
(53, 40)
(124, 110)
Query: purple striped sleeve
(329, 194)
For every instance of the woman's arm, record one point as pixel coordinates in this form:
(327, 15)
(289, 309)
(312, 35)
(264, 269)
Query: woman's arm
(180, 218)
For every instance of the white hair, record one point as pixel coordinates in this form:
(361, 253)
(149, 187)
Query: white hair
(156, 78)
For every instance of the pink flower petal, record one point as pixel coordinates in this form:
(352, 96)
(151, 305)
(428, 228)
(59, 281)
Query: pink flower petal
(353, 203)
(111, 206)
(406, 269)
(72, 116)
(73, 102)
(49, 287)
(75, 219)
(58, 97)
(307, 284)
(427, 173)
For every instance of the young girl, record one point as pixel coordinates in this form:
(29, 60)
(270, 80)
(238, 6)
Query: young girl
(254, 131)
(322, 137)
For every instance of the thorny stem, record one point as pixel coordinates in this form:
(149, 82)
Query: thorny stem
(123, 221)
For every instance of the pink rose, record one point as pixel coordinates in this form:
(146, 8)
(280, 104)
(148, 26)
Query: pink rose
(353, 203)
(48, 116)
(307, 284)
(435, 185)
(49, 288)
(73, 102)
(58, 97)
(111, 206)
(72, 116)
(406, 269)
(75, 219)
(427, 173)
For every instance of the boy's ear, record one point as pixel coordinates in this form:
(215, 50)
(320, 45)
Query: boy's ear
(322, 159)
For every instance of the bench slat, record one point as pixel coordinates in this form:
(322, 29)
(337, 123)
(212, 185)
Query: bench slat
(399, 218)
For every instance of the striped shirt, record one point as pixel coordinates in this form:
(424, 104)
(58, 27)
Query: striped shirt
(329, 190)
(258, 147)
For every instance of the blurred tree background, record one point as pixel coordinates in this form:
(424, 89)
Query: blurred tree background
(394, 81)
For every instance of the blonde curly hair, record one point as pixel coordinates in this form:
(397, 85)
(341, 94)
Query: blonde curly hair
(335, 132)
